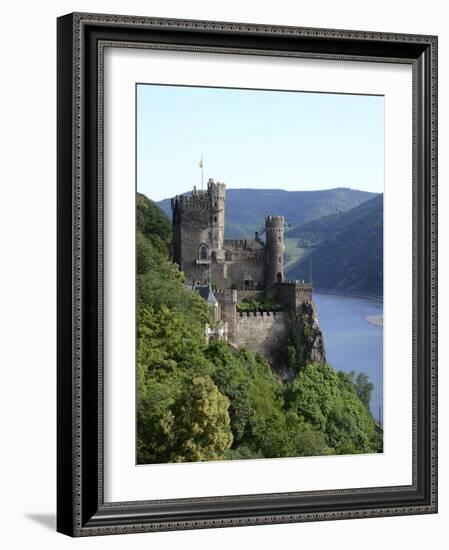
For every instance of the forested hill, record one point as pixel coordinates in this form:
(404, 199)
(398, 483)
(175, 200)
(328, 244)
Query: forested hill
(345, 250)
(153, 223)
(246, 208)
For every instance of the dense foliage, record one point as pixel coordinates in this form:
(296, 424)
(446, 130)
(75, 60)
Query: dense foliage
(262, 303)
(199, 401)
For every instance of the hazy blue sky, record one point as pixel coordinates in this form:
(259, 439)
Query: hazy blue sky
(257, 139)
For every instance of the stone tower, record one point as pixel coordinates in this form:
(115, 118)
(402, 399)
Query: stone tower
(217, 196)
(198, 230)
(274, 271)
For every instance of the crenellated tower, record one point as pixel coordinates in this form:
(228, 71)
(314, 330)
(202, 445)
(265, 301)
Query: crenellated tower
(274, 271)
(198, 231)
(217, 197)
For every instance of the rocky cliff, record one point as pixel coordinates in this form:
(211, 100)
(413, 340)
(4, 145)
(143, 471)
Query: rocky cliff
(308, 336)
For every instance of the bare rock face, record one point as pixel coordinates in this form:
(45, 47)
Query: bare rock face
(308, 336)
(303, 343)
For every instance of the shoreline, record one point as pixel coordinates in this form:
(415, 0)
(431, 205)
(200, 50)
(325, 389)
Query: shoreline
(366, 295)
(377, 320)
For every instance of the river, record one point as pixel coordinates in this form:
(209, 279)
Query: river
(351, 342)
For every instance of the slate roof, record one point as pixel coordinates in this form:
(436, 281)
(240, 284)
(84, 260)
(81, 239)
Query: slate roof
(207, 294)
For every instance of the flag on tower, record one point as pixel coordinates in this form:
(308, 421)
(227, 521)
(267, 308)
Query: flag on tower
(200, 164)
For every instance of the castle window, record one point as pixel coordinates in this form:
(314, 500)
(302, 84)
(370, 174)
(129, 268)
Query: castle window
(215, 218)
(279, 259)
(215, 205)
(202, 252)
(248, 284)
(280, 239)
(279, 277)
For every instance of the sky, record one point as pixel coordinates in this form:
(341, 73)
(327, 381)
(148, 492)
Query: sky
(263, 139)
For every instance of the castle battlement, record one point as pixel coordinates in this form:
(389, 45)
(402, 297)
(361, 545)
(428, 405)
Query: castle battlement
(213, 197)
(236, 241)
(191, 201)
(274, 221)
(297, 285)
(259, 313)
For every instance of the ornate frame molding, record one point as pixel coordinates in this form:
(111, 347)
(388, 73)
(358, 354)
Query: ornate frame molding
(81, 42)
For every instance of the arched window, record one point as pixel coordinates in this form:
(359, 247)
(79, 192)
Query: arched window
(203, 252)
(279, 277)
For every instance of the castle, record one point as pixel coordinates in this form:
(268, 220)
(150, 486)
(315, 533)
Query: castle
(228, 273)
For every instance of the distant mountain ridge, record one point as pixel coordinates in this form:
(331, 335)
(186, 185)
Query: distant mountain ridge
(246, 208)
(345, 250)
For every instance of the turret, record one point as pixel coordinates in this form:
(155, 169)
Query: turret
(274, 229)
(217, 197)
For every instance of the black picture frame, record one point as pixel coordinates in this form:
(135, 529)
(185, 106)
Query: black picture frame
(81, 510)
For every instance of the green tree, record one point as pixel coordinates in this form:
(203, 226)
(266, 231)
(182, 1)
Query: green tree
(259, 423)
(231, 377)
(170, 352)
(268, 427)
(311, 443)
(328, 401)
(199, 426)
(364, 388)
(152, 222)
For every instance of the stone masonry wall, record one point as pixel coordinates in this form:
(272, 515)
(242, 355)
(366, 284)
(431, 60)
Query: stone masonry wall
(292, 294)
(232, 274)
(263, 333)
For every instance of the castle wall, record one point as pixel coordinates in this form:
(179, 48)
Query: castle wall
(266, 333)
(244, 260)
(228, 300)
(233, 274)
(263, 333)
(292, 294)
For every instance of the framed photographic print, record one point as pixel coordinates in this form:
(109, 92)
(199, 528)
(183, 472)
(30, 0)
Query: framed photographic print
(247, 291)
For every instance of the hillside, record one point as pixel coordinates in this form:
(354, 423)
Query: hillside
(246, 208)
(152, 222)
(345, 250)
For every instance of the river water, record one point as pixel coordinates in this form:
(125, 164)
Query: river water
(351, 342)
